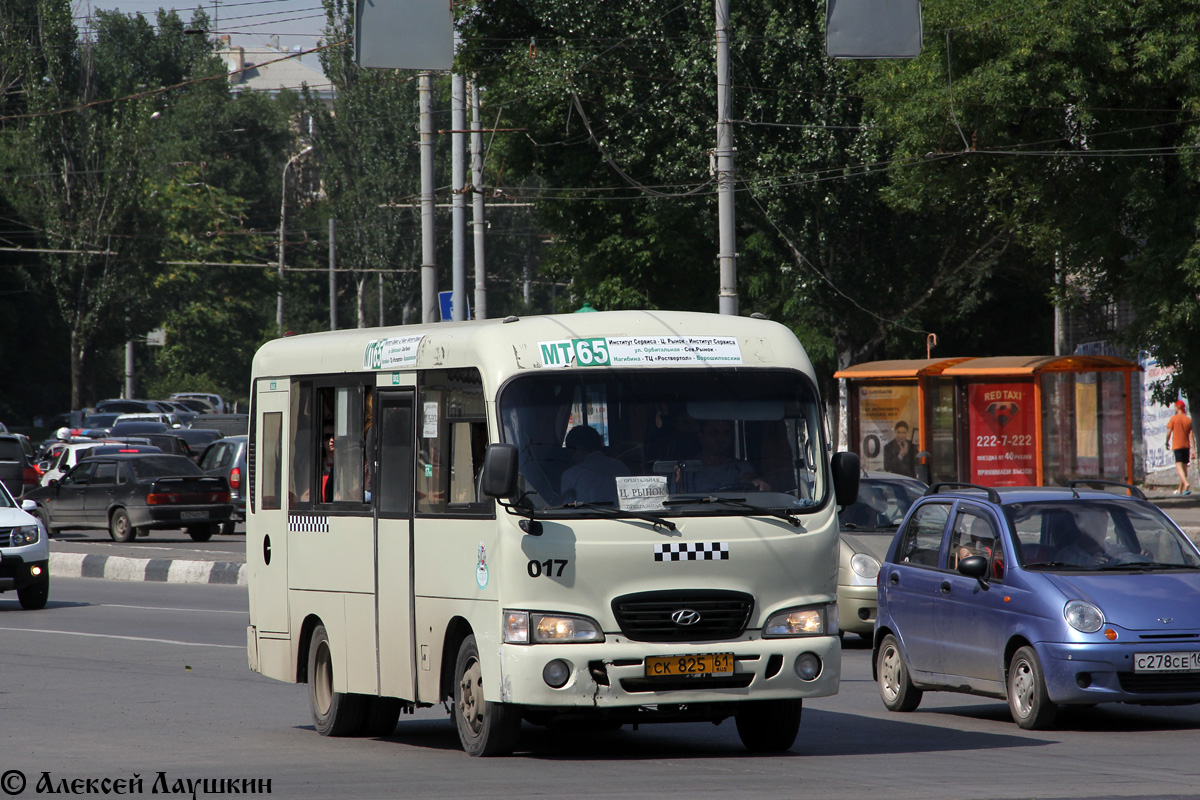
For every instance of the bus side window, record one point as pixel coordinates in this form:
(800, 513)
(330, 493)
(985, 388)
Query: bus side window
(272, 461)
(342, 473)
(300, 479)
(452, 436)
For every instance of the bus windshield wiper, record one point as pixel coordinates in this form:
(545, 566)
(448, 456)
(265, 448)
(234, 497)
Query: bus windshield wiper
(607, 508)
(736, 502)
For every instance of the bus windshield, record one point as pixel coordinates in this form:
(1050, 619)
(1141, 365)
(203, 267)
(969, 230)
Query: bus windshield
(678, 442)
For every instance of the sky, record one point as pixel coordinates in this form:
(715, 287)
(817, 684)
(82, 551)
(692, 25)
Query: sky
(248, 22)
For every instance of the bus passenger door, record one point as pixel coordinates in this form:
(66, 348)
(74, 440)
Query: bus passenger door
(267, 523)
(392, 491)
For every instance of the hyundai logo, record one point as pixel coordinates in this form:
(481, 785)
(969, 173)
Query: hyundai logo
(685, 616)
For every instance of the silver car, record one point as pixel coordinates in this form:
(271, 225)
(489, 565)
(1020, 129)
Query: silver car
(867, 528)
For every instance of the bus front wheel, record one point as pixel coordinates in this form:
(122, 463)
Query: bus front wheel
(333, 713)
(769, 726)
(484, 728)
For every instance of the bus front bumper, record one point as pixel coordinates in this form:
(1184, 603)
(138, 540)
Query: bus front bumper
(617, 675)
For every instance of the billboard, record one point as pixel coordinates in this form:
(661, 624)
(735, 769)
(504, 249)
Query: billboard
(403, 34)
(1002, 450)
(888, 430)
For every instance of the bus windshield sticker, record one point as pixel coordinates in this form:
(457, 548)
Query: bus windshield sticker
(392, 353)
(641, 492)
(429, 422)
(616, 351)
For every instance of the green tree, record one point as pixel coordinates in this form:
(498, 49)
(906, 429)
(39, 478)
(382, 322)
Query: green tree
(370, 166)
(123, 149)
(619, 103)
(1075, 123)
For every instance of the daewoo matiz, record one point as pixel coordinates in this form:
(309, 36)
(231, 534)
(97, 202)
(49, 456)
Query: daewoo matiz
(1042, 596)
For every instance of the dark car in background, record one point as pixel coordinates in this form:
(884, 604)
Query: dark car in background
(228, 424)
(139, 428)
(227, 458)
(17, 472)
(132, 494)
(197, 439)
(170, 443)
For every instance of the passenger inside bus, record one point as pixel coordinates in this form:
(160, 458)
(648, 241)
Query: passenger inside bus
(327, 465)
(592, 476)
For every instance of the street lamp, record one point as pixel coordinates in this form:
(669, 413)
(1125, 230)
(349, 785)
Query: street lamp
(282, 229)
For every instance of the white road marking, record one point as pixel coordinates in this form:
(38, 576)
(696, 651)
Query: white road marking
(169, 608)
(127, 638)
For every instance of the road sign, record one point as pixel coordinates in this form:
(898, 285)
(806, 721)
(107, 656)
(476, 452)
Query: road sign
(446, 303)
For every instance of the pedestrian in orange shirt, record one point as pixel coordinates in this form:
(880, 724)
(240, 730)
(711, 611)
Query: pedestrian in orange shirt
(1181, 440)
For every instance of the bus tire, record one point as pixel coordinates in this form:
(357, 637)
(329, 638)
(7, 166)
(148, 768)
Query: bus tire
(769, 726)
(484, 728)
(380, 716)
(333, 713)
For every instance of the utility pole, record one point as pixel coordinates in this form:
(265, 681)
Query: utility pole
(458, 272)
(477, 221)
(727, 298)
(332, 279)
(429, 301)
(282, 236)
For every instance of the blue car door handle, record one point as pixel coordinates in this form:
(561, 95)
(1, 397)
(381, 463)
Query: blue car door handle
(945, 587)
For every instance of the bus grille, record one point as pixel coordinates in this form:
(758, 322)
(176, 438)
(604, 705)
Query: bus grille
(647, 616)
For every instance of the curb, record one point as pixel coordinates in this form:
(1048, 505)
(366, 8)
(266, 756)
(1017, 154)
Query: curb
(162, 570)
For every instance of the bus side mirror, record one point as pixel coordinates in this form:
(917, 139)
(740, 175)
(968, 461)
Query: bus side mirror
(499, 478)
(845, 478)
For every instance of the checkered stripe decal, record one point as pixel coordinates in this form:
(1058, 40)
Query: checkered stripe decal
(307, 523)
(692, 551)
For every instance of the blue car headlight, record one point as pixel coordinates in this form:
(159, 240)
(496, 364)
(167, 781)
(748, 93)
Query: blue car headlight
(26, 534)
(1083, 616)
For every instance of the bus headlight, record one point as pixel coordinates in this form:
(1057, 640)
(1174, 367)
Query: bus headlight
(533, 627)
(806, 621)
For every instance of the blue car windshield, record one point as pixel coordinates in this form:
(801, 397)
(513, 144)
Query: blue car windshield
(677, 442)
(1098, 534)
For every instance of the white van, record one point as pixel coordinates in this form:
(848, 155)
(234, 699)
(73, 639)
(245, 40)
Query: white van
(623, 516)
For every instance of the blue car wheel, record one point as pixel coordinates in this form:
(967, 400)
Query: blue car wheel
(1031, 706)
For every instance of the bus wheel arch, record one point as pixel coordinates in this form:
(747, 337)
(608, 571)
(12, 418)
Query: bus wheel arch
(457, 630)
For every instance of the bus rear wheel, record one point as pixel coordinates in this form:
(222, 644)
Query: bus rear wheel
(333, 713)
(484, 728)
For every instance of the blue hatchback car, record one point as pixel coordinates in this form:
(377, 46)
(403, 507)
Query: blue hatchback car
(1041, 596)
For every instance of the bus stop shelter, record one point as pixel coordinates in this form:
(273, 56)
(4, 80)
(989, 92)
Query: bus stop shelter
(999, 421)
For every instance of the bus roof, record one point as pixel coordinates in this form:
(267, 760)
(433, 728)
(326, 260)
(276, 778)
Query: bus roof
(501, 348)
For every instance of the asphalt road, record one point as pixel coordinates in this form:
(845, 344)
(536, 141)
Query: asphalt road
(114, 679)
